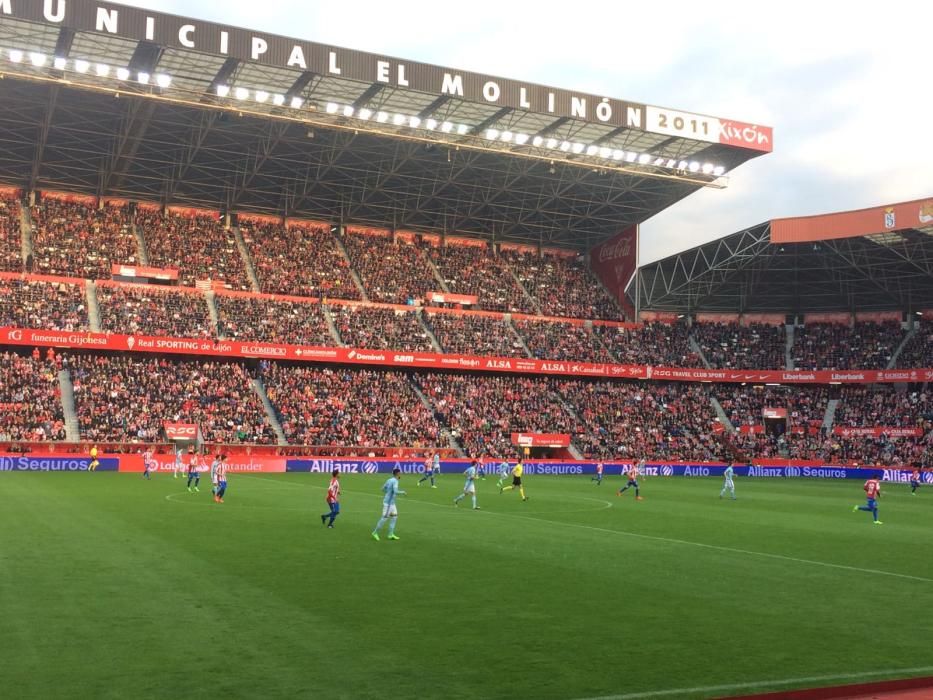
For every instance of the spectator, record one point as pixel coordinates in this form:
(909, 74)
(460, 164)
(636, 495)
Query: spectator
(200, 246)
(866, 345)
(31, 400)
(273, 321)
(732, 346)
(550, 340)
(151, 310)
(473, 334)
(301, 260)
(475, 271)
(11, 237)
(656, 344)
(391, 272)
(42, 305)
(75, 239)
(127, 399)
(918, 351)
(341, 407)
(375, 328)
(562, 286)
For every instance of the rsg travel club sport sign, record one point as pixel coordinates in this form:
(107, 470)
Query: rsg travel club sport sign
(330, 61)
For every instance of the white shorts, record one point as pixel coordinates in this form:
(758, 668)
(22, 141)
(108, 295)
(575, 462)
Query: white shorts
(729, 485)
(214, 480)
(389, 511)
(470, 488)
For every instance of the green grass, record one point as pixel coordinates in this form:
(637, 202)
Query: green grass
(113, 587)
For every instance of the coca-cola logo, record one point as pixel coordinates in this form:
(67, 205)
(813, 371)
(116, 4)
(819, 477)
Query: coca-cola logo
(622, 248)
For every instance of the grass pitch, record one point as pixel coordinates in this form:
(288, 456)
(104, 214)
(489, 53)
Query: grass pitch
(114, 587)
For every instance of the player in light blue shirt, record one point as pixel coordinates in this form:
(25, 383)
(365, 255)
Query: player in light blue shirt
(469, 488)
(728, 484)
(504, 470)
(389, 511)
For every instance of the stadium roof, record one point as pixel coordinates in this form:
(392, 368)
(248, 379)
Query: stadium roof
(876, 259)
(120, 101)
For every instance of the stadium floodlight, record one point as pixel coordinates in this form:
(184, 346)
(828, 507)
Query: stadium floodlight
(694, 166)
(398, 119)
(718, 170)
(38, 59)
(578, 148)
(644, 159)
(592, 150)
(605, 152)
(348, 111)
(241, 93)
(553, 143)
(521, 139)
(658, 162)
(365, 114)
(671, 163)
(82, 66)
(60, 63)
(278, 99)
(462, 129)
(223, 90)
(382, 117)
(631, 157)
(537, 141)
(163, 80)
(143, 79)
(332, 108)
(492, 134)
(430, 124)
(447, 127)
(507, 136)
(565, 146)
(682, 165)
(16, 55)
(707, 168)
(414, 122)
(123, 73)
(618, 154)
(102, 70)
(296, 102)
(262, 96)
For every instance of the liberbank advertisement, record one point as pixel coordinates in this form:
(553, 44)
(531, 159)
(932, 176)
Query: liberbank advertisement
(245, 464)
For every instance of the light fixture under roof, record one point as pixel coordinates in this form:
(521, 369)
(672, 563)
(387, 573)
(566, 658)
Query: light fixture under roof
(492, 134)
(537, 141)
(81, 66)
(163, 80)
(365, 114)
(506, 136)
(462, 129)
(565, 146)
(332, 108)
(38, 59)
(521, 139)
(297, 102)
(430, 124)
(348, 111)
(60, 63)
(578, 147)
(123, 73)
(278, 99)
(414, 122)
(262, 96)
(143, 79)
(447, 127)
(241, 93)
(102, 70)
(398, 119)
(382, 117)
(16, 55)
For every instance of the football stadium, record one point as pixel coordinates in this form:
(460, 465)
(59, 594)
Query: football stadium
(455, 441)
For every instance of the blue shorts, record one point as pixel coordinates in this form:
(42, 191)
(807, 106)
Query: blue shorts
(632, 482)
(872, 503)
(914, 482)
(334, 507)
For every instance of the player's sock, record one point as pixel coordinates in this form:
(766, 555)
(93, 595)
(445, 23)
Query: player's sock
(458, 499)
(506, 488)
(392, 520)
(521, 490)
(382, 521)
(874, 514)
(636, 492)
(474, 500)
(333, 517)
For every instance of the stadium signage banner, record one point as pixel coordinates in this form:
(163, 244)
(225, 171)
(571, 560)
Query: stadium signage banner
(540, 439)
(448, 298)
(331, 61)
(876, 431)
(424, 360)
(236, 464)
(180, 431)
(55, 463)
(156, 273)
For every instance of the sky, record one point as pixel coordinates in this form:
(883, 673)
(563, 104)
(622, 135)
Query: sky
(849, 92)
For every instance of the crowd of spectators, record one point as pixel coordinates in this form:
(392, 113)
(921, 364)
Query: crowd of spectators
(562, 286)
(127, 399)
(744, 404)
(482, 412)
(153, 310)
(11, 239)
(200, 246)
(43, 305)
(918, 351)
(475, 271)
(549, 340)
(272, 321)
(393, 273)
(883, 406)
(381, 329)
(866, 345)
(633, 420)
(343, 407)
(30, 399)
(733, 346)
(472, 334)
(75, 239)
(656, 344)
(300, 260)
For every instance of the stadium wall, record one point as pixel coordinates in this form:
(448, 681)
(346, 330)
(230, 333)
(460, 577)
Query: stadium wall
(246, 464)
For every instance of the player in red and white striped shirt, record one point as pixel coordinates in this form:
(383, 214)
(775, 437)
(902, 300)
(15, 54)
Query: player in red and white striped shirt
(221, 474)
(872, 490)
(333, 499)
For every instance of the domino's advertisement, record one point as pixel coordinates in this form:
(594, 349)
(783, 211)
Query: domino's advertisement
(164, 463)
